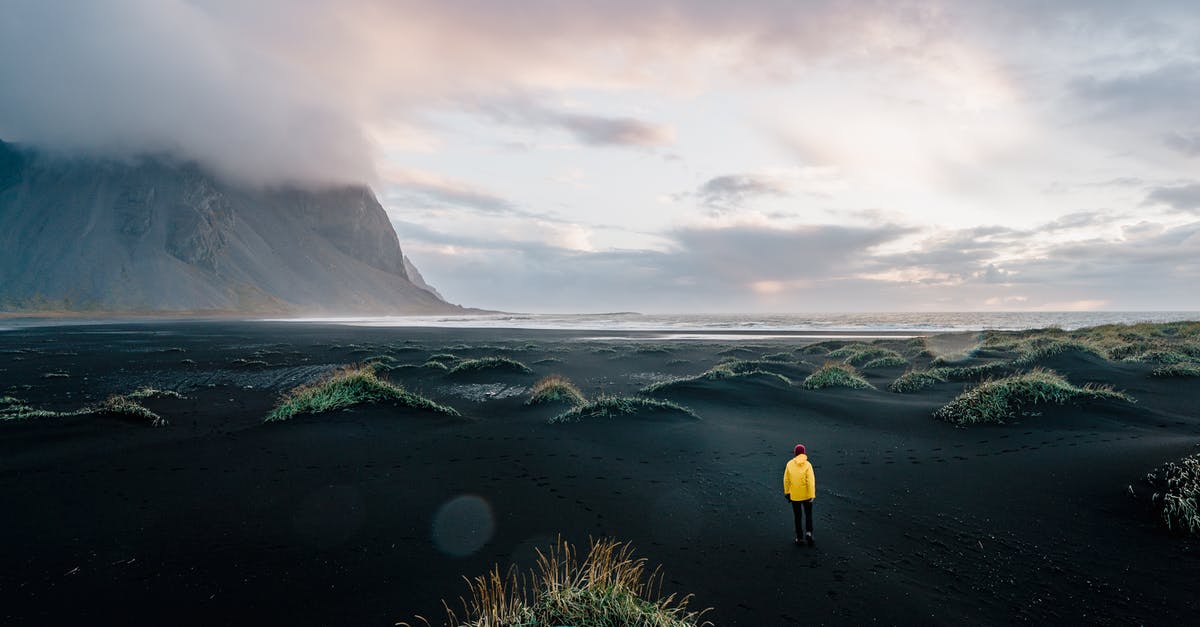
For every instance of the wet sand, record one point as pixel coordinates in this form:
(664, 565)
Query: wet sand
(371, 515)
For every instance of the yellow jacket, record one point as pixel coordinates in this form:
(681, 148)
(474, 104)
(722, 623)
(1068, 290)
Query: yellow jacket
(799, 484)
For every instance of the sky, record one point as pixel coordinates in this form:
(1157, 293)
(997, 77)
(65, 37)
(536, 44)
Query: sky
(675, 156)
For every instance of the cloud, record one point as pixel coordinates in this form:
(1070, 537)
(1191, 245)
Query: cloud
(1185, 143)
(1184, 197)
(590, 130)
(601, 131)
(1164, 89)
(732, 266)
(275, 90)
(131, 76)
(733, 190)
(406, 187)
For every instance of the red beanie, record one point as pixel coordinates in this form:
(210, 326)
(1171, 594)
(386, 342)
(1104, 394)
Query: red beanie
(799, 450)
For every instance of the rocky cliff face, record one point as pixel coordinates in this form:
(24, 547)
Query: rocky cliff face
(158, 235)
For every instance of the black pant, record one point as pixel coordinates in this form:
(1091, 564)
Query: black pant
(801, 509)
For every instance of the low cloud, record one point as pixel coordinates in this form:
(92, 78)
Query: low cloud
(406, 188)
(601, 131)
(1185, 197)
(733, 190)
(1186, 143)
(587, 129)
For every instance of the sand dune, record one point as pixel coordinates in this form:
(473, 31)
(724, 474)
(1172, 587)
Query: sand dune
(373, 514)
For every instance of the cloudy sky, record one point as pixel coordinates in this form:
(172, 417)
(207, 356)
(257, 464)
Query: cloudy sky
(688, 155)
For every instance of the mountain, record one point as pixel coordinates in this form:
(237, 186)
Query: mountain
(156, 235)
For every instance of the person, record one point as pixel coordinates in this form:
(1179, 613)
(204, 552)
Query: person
(800, 488)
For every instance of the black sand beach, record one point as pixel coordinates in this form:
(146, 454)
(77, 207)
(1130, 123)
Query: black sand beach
(372, 515)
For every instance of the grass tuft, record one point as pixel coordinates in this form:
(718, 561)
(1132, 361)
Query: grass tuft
(835, 375)
(999, 400)
(1177, 370)
(1034, 350)
(347, 387)
(917, 380)
(489, 363)
(1176, 496)
(617, 406)
(126, 408)
(857, 354)
(887, 361)
(153, 393)
(608, 587)
(725, 370)
(555, 389)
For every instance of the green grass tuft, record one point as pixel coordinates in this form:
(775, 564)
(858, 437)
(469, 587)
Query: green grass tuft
(153, 393)
(355, 385)
(835, 375)
(616, 406)
(608, 588)
(917, 380)
(887, 361)
(999, 400)
(859, 355)
(1033, 351)
(490, 363)
(555, 389)
(1176, 496)
(1161, 356)
(126, 408)
(1177, 370)
(724, 370)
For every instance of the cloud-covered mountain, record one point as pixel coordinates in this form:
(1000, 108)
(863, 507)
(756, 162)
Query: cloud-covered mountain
(157, 234)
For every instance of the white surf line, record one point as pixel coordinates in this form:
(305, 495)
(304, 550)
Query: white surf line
(744, 336)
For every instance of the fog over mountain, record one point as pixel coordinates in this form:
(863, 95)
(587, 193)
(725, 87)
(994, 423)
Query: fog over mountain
(158, 234)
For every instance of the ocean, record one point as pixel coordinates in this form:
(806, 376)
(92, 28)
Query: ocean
(824, 323)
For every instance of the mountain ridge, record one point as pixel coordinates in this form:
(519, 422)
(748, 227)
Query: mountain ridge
(154, 234)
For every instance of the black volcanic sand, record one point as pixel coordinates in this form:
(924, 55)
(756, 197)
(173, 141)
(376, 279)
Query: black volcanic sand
(369, 516)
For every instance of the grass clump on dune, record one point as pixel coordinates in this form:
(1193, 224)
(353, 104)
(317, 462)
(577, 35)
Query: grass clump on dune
(1161, 356)
(1176, 496)
(490, 363)
(887, 361)
(724, 370)
(917, 380)
(860, 354)
(120, 406)
(1177, 370)
(617, 406)
(153, 393)
(354, 385)
(999, 400)
(608, 587)
(12, 408)
(835, 375)
(555, 389)
(1034, 350)
(126, 408)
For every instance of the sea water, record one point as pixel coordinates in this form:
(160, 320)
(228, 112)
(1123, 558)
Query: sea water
(682, 325)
